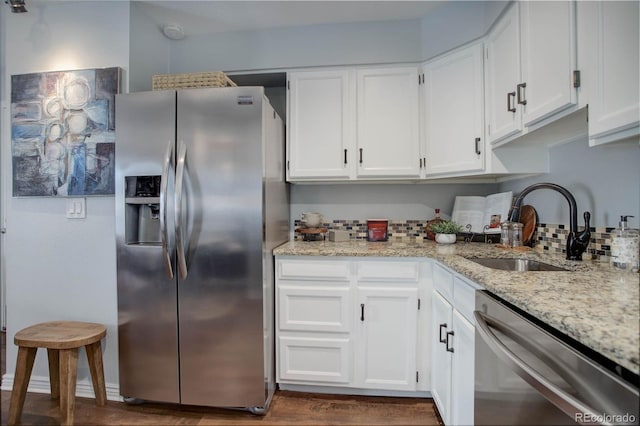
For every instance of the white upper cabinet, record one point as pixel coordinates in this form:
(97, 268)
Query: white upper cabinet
(453, 112)
(503, 75)
(613, 70)
(388, 131)
(321, 120)
(531, 59)
(353, 123)
(548, 59)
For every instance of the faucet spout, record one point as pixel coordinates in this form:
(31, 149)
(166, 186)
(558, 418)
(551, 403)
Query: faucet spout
(576, 244)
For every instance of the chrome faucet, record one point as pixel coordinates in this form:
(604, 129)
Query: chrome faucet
(576, 242)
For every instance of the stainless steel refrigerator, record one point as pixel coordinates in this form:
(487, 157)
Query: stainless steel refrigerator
(201, 201)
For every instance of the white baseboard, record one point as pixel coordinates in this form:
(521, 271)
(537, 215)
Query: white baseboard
(84, 388)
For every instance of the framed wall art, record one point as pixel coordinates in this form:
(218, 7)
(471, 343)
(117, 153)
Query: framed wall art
(63, 132)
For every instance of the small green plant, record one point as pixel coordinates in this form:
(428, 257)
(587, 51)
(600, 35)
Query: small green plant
(446, 227)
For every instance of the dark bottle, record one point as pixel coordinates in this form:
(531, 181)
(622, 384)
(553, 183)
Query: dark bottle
(430, 234)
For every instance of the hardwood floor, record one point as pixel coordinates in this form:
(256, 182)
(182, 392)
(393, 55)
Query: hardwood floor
(287, 408)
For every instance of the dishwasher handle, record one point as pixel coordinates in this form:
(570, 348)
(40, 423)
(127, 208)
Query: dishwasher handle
(565, 402)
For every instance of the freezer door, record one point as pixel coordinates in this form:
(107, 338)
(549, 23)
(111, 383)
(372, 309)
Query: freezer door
(219, 200)
(147, 298)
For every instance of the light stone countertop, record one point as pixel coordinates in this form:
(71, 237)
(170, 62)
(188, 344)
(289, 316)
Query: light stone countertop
(591, 302)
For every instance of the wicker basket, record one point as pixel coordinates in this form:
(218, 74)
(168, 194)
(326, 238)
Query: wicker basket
(191, 80)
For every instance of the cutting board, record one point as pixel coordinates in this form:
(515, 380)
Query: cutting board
(529, 220)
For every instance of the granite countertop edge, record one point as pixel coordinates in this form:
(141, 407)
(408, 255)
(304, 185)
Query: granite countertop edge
(591, 303)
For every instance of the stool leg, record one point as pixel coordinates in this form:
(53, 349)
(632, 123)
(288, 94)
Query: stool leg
(54, 372)
(68, 377)
(94, 356)
(24, 365)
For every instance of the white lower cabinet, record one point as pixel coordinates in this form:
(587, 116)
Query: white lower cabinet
(387, 338)
(452, 358)
(353, 323)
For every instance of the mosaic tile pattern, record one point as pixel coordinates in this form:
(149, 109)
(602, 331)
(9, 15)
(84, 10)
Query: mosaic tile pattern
(549, 238)
(552, 238)
(399, 230)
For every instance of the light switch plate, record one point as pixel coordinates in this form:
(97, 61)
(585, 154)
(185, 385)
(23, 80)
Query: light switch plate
(76, 208)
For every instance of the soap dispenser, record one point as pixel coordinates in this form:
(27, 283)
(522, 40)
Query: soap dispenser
(624, 246)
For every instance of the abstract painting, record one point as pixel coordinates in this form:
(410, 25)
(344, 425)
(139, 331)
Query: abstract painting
(63, 132)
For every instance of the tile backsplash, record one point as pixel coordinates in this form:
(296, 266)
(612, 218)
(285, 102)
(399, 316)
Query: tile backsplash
(550, 238)
(397, 230)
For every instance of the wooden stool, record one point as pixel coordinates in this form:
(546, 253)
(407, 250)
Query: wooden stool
(62, 340)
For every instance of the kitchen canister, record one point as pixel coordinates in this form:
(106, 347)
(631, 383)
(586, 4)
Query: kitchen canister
(516, 234)
(377, 229)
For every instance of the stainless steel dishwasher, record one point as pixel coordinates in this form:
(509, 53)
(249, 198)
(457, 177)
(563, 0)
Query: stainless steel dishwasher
(524, 375)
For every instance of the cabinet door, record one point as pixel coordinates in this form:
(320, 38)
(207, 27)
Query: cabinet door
(503, 75)
(462, 370)
(614, 99)
(386, 354)
(548, 58)
(454, 112)
(320, 124)
(314, 309)
(388, 136)
(440, 358)
(314, 359)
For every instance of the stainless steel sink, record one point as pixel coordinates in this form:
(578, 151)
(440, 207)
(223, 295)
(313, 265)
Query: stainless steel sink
(515, 264)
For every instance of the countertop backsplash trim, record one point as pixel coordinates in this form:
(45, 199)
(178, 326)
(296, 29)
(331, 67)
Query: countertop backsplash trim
(549, 238)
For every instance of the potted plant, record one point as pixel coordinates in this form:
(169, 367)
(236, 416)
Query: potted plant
(446, 231)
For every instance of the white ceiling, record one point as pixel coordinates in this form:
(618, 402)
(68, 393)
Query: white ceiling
(203, 17)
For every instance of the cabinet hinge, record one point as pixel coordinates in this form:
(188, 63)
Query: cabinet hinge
(288, 85)
(418, 304)
(417, 377)
(288, 165)
(576, 79)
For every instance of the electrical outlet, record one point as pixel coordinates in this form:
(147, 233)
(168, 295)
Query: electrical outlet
(76, 208)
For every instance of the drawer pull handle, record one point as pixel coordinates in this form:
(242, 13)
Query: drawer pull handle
(521, 87)
(449, 349)
(509, 107)
(443, 325)
(362, 312)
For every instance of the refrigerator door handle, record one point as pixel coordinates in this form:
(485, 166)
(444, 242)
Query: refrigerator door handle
(180, 166)
(164, 185)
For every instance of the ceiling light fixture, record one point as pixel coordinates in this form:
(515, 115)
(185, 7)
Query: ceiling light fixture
(17, 6)
(173, 31)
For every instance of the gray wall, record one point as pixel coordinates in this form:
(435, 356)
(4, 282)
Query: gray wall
(390, 201)
(448, 26)
(58, 268)
(605, 180)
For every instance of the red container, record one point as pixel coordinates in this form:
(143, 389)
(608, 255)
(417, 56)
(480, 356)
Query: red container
(377, 229)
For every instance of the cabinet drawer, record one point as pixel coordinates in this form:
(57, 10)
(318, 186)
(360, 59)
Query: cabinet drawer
(443, 281)
(314, 359)
(314, 309)
(464, 298)
(305, 269)
(388, 270)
